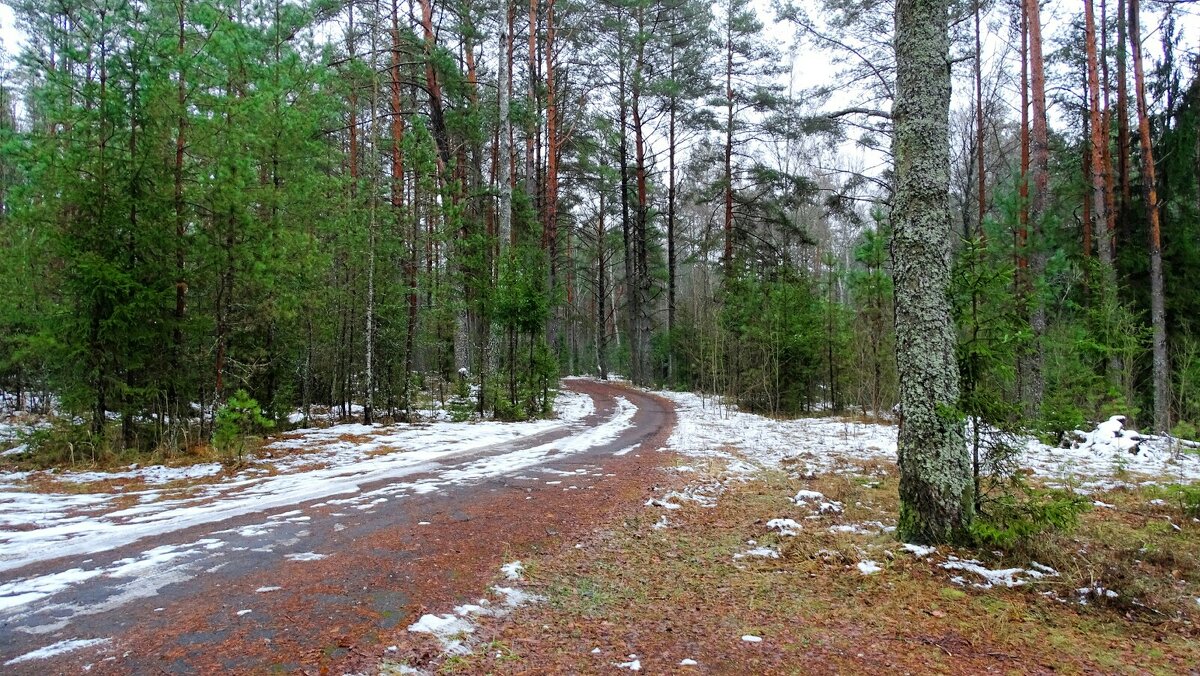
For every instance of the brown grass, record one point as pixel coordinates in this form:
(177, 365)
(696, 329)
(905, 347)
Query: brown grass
(677, 593)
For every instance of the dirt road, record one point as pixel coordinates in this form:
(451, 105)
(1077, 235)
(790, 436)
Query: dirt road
(326, 584)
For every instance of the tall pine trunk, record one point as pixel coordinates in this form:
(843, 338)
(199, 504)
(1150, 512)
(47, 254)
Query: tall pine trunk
(1040, 151)
(1158, 314)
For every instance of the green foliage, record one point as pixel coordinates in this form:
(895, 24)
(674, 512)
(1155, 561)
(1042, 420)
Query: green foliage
(776, 333)
(64, 443)
(1016, 518)
(1187, 497)
(1184, 430)
(238, 418)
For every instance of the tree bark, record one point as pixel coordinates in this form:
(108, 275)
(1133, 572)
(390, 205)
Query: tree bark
(1040, 151)
(1158, 314)
(1122, 113)
(1099, 208)
(671, 228)
(504, 180)
(981, 166)
(936, 493)
(728, 254)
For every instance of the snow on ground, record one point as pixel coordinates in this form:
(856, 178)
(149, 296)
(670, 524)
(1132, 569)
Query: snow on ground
(453, 630)
(42, 526)
(1006, 577)
(1096, 460)
(868, 567)
(154, 474)
(1106, 457)
(513, 570)
(59, 648)
(786, 527)
(39, 526)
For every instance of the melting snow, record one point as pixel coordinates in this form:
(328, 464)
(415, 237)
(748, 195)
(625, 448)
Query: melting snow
(60, 648)
(868, 567)
(633, 664)
(1008, 577)
(919, 551)
(786, 527)
(764, 552)
(448, 629)
(305, 556)
(38, 526)
(513, 570)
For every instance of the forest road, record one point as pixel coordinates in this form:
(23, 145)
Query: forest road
(327, 585)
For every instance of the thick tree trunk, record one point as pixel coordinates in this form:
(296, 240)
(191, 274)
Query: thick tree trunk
(181, 284)
(601, 297)
(1086, 225)
(372, 223)
(550, 234)
(631, 302)
(1158, 314)
(640, 324)
(936, 492)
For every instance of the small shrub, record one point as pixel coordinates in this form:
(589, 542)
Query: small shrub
(1187, 497)
(1013, 519)
(239, 418)
(64, 443)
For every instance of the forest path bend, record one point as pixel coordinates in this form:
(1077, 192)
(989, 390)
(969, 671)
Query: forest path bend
(323, 582)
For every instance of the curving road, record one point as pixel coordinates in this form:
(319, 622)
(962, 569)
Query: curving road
(323, 576)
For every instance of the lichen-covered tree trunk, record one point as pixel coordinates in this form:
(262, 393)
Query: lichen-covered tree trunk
(935, 471)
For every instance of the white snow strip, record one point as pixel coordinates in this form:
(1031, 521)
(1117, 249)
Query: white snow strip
(708, 428)
(305, 556)
(25, 591)
(751, 638)
(1007, 577)
(60, 648)
(763, 552)
(919, 551)
(449, 630)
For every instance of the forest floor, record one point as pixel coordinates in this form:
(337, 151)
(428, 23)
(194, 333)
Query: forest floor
(593, 543)
(769, 549)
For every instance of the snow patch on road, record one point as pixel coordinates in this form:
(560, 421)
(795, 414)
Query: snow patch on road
(60, 648)
(305, 556)
(41, 526)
